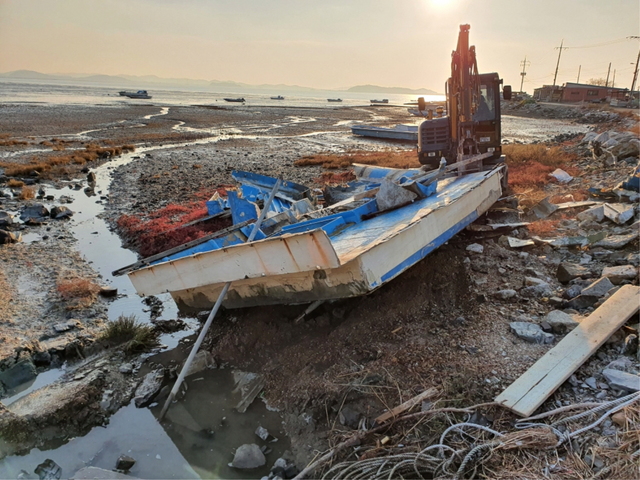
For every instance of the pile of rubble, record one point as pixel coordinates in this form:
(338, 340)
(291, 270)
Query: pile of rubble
(578, 113)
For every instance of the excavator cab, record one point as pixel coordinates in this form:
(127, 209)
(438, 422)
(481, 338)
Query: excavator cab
(472, 125)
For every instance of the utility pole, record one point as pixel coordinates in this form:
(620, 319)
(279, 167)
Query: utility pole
(524, 64)
(579, 68)
(635, 72)
(606, 83)
(558, 64)
(613, 82)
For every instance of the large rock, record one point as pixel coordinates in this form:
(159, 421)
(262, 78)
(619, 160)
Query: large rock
(530, 332)
(560, 322)
(599, 288)
(568, 271)
(9, 237)
(37, 212)
(622, 380)
(149, 388)
(248, 456)
(61, 212)
(22, 372)
(620, 273)
(6, 219)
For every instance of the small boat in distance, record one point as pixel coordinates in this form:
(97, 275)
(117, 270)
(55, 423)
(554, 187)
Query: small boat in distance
(334, 99)
(279, 97)
(237, 100)
(384, 100)
(138, 94)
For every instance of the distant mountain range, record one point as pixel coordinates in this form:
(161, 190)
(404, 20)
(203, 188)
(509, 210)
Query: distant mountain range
(150, 81)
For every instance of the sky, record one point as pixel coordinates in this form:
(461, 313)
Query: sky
(328, 44)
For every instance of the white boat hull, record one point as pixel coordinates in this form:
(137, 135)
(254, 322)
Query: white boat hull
(310, 266)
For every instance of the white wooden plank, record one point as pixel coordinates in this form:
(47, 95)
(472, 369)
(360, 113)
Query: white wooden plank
(275, 256)
(534, 386)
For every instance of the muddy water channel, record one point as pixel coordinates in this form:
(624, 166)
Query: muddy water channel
(201, 431)
(198, 436)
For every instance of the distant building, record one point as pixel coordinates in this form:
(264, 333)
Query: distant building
(579, 92)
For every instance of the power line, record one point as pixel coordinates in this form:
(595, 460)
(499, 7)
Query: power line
(603, 44)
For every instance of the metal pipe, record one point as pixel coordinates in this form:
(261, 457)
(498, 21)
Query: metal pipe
(214, 310)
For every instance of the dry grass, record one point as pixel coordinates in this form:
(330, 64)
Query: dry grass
(11, 143)
(27, 193)
(134, 337)
(13, 183)
(91, 153)
(530, 165)
(330, 161)
(79, 292)
(543, 228)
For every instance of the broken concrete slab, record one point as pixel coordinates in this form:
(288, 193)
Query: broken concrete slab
(618, 212)
(475, 248)
(561, 176)
(544, 208)
(622, 380)
(560, 322)
(620, 273)
(517, 243)
(531, 332)
(149, 388)
(505, 294)
(248, 386)
(616, 241)
(595, 214)
(568, 271)
(599, 288)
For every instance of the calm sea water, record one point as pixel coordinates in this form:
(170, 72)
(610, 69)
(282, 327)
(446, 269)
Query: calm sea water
(13, 92)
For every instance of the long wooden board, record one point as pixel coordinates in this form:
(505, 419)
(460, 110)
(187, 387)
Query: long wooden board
(535, 385)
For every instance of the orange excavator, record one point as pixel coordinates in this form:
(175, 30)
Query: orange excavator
(472, 123)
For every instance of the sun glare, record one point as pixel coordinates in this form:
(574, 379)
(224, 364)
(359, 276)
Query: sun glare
(440, 4)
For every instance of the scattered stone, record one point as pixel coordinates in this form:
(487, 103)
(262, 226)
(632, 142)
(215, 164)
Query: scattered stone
(568, 271)
(555, 301)
(581, 302)
(572, 292)
(622, 380)
(48, 470)
(91, 177)
(248, 456)
(149, 388)
(475, 248)
(542, 289)
(620, 273)
(630, 344)
(560, 322)
(65, 326)
(126, 368)
(125, 463)
(108, 292)
(599, 288)
(60, 212)
(505, 294)
(6, 219)
(9, 237)
(616, 241)
(349, 417)
(531, 332)
(545, 327)
(37, 212)
(594, 461)
(591, 383)
(619, 418)
(262, 432)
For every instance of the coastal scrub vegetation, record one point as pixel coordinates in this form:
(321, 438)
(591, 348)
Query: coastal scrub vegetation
(27, 193)
(135, 337)
(79, 292)
(530, 165)
(167, 227)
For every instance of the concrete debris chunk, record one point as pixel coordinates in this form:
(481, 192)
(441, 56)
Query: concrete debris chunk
(616, 241)
(517, 243)
(568, 271)
(622, 380)
(618, 212)
(544, 208)
(530, 332)
(599, 288)
(560, 322)
(561, 176)
(505, 294)
(595, 214)
(620, 273)
(475, 248)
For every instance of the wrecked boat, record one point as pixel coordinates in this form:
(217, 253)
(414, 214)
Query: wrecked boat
(378, 226)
